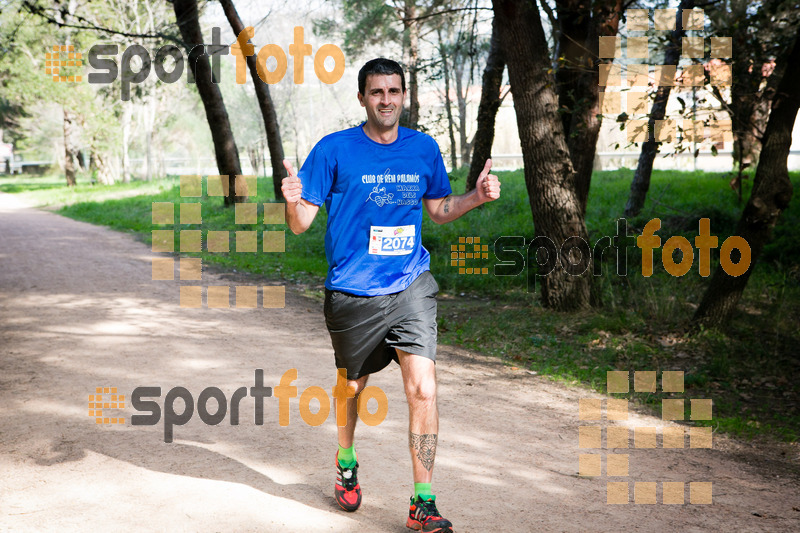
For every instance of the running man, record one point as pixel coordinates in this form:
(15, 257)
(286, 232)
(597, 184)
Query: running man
(380, 295)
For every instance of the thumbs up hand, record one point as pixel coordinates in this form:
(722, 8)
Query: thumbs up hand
(488, 186)
(291, 186)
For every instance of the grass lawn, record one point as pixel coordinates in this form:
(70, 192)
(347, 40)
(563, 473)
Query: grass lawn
(745, 367)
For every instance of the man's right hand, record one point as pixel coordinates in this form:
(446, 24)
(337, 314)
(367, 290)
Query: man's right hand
(299, 213)
(291, 186)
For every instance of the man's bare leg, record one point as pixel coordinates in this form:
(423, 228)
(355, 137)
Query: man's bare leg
(347, 431)
(347, 491)
(419, 381)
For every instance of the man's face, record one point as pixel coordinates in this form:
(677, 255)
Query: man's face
(383, 100)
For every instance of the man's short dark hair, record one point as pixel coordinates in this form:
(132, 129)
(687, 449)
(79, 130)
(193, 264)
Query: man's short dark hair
(382, 66)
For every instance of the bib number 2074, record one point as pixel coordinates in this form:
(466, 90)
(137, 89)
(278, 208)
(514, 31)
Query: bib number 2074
(391, 240)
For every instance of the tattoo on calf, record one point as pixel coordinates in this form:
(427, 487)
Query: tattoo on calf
(424, 447)
(447, 205)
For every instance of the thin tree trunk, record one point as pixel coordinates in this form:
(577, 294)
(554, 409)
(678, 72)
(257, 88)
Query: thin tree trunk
(224, 145)
(149, 113)
(464, 144)
(487, 109)
(262, 159)
(126, 140)
(574, 20)
(411, 51)
(162, 164)
(556, 210)
(744, 98)
(749, 112)
(105, 175)
(641, 178)
(772, 191)
(743, 103)
(252, 155)
(69, 148)
(268, 114)
(447, 103)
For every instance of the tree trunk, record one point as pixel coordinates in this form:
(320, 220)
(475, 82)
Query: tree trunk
(101, 169)
(749, 112)
(557, 214)
(772, 191)
(487, 109)
(447, 103)
(224, 145)
(461, 99)
(411, 52)
(577, 79)
(69, 147)
(149, 120)
(641, 178)
(744, 98)
(252, 155)
(575, 21)
(126, 140)
(266, 106)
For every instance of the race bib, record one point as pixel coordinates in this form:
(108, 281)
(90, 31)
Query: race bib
(391, 240)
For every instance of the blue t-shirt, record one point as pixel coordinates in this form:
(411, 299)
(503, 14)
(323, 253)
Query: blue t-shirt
(373, 194)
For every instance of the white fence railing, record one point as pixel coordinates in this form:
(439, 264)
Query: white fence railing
(706, 161)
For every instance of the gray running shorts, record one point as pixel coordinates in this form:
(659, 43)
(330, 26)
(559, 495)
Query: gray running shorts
(365, 330)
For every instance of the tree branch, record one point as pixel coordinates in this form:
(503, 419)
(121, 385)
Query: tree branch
(550, 14)
(706, 4)
(91, 26)
(446, 11)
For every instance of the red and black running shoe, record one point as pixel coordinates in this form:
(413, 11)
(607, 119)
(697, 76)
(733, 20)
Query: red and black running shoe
(423, 516)
(347, 490)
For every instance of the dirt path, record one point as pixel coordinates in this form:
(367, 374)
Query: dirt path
(78, 310)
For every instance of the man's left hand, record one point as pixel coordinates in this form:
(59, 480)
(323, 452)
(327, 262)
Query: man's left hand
(488, 186)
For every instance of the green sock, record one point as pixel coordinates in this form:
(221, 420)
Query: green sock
(347, 457)
(424, 491)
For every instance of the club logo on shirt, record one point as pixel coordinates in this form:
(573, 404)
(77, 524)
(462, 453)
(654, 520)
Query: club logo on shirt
(406, 188)
(380, 196)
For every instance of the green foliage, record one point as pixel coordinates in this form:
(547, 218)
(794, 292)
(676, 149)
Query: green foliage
(22, 69)
(366, 22)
